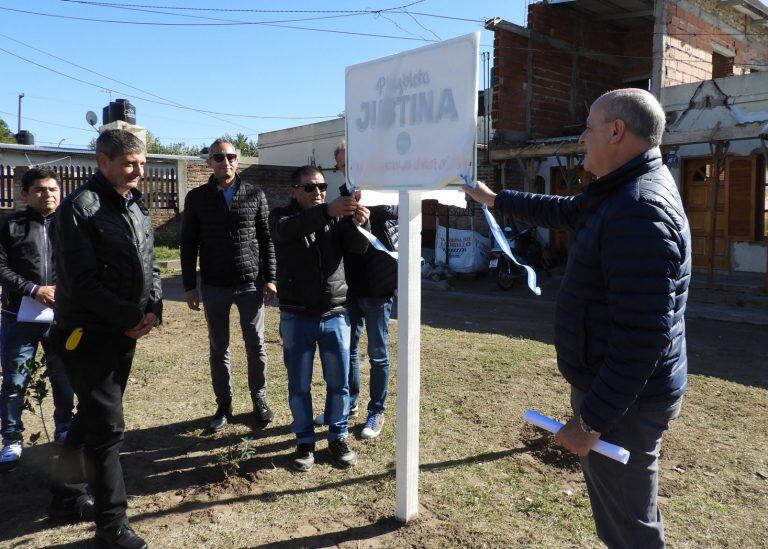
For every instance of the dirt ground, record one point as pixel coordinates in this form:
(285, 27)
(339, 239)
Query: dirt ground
(486, 478)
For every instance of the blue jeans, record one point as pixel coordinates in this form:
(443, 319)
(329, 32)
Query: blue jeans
(373, 313)
(18, 343)
(624, 498)
(301, 334)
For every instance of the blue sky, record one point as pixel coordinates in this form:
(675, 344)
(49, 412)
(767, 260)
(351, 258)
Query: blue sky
(252, 70)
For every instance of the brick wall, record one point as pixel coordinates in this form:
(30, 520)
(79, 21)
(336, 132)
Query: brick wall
(561, 85)
(696, 29)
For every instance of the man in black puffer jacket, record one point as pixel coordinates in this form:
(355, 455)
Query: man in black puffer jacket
(225, 225)
(311, 238)
(619, 324)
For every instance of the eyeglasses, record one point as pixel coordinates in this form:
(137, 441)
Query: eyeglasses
(310, 187)
(219, 157)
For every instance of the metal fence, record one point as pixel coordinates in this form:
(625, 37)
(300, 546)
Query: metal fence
(159, 184)
(6, 186)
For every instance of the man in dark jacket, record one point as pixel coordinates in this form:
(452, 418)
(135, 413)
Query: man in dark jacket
(225, 224)
(108, 295)
(619, 324)
(372, 280)
(27, 270)
(310, 240)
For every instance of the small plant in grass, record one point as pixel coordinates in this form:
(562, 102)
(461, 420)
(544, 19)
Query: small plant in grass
(37, 390)
(231, 459)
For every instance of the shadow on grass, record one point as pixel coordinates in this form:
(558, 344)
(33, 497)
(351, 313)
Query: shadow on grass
(359, 533)
(157, 459)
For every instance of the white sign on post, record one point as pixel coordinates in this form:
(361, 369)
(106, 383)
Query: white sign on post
(411, 118)
(411, 124)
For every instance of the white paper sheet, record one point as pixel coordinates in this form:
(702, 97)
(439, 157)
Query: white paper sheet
(601, 447)
(32, 310)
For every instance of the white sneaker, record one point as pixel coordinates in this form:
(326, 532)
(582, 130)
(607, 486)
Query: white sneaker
(373, 425)
(10, 455)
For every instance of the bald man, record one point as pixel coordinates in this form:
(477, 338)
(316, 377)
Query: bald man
(619, 324)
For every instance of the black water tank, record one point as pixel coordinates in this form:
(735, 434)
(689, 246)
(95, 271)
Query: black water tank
(25, 138)
(120, 109)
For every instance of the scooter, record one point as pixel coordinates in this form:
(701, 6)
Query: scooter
(526, 249)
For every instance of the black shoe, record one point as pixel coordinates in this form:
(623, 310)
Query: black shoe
(305, 457)
(261, 411)
(341, 454)
(122, 537)
(222, 416)
(71, 511)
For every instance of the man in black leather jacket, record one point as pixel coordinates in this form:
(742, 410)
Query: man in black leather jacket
(619, 321)
(310, 240)
(27, 271)
(108, 296)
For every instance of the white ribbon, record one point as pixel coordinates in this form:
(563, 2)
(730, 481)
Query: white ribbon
(376, 243)
(503, 243)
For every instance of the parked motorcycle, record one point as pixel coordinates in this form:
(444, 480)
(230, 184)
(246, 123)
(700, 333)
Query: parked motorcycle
(527, 250)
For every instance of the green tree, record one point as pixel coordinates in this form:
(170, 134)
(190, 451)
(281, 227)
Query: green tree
(242, 143)
(155, 147)
(6, 136)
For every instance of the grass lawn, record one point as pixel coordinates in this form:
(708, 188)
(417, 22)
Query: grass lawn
(164, 253)
(487, 480)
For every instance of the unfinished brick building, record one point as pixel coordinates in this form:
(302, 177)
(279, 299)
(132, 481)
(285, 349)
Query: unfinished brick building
(546, 75)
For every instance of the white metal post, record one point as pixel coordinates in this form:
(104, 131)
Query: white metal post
(408, 355)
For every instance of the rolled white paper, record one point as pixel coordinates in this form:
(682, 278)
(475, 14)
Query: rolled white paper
(601, 447)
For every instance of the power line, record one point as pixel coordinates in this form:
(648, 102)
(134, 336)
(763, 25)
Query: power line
(398, 9)
(185, 8)
(276, 25)
(49, 123)
(165, 102)
(221, 23)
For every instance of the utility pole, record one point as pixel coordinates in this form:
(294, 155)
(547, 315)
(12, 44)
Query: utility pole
(18, 125)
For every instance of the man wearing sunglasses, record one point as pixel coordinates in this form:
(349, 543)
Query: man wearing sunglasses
(225, 225)
(311, 238)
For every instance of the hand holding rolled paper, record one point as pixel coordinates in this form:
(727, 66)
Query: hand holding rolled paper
(601, 447)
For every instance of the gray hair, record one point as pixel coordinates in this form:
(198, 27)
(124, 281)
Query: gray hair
(641, 112)
(341, 147)
(114, 143)
(218, 143)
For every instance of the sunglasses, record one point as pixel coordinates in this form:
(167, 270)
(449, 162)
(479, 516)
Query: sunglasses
(219, 157)
(310, 187)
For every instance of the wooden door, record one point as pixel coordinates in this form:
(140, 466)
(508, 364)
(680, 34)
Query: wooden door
(560, 240)
(698, 174)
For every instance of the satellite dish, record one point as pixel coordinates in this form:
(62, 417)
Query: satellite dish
(91, 118)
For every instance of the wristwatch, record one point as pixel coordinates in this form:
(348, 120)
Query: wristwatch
(586, 428)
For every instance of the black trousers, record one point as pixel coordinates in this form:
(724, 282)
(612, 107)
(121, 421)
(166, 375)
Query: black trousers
(98, 370)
